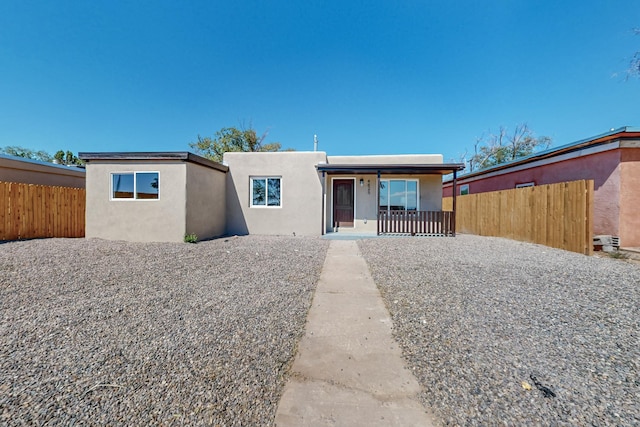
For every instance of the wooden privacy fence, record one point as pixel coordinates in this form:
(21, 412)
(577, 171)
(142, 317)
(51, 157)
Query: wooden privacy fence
(557, 215)
(30, 211)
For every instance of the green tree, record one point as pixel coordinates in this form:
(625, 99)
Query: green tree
(505, 146)
(66, 158)
(27, 153)
(71, 159)
(60, 157)
(232, 139)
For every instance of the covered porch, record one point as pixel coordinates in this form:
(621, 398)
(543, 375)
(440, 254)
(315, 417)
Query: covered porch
(389, 199)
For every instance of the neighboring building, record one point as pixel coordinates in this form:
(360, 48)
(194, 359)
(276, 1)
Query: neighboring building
(282, 193)
(28, 171)
(611, 160)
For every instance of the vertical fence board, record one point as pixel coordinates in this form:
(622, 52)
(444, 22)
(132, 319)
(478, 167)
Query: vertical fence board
(18, 209)
(32, 211)
(557, 215)
(37, 220)
(56, 205)
(11, 232)
(4, 209)
(51, 214)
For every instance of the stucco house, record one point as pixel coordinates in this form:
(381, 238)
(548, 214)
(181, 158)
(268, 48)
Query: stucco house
(153, 196)
(28, 171)
(163, 196)
(611, 160)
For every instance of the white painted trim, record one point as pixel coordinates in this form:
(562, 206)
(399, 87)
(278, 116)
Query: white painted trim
(355, 204)
(133, 199)
(542, 162)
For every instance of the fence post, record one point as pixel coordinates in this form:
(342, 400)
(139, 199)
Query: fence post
(453, 220)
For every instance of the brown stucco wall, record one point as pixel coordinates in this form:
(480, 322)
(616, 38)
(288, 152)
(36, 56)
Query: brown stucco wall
(158, 220)
(301, 188)
(32, 172)
(630, 197)
(206, 190)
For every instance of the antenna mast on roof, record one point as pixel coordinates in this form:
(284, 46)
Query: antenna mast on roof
(315, 142)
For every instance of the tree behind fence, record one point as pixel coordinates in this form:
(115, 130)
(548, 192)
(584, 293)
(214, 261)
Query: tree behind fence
(30, 211)
(557, 215)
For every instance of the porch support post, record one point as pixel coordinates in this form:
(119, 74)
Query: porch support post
(323, 229)
(453, 220)
(378, 202)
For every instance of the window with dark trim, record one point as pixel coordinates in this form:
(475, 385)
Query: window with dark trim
(135, 185)
(399, 194)
(464, 189)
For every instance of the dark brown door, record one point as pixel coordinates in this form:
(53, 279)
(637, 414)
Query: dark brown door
(343, 203)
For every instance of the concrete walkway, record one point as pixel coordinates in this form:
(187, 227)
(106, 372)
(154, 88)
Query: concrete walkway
(349, 370)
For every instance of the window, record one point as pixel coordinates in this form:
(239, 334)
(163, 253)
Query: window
(266, 192)
(135, 185)
(398, 194)
(525, 184)
(464, 189)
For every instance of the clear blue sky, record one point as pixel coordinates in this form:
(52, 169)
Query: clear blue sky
(368, 77)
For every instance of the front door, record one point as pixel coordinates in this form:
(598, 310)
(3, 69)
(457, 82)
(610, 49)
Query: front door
(343, 203)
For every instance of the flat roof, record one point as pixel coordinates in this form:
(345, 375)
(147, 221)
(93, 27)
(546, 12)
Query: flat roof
(74, 168)
(184, 156)
(430, 169)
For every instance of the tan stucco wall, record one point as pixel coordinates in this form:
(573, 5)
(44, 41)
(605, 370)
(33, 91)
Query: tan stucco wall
(205, 201)
(136, 220)
(397, 159)
(301, 187)
(41, 174)
(630, 197)
(366, 198)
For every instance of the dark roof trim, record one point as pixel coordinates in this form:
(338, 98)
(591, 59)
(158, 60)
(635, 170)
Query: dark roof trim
(184, 156)
(73, 168)
(608, 137)
(431, 169)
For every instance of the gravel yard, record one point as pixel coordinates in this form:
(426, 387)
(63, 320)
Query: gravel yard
(108, 333)
(476, 317)
(115, 333)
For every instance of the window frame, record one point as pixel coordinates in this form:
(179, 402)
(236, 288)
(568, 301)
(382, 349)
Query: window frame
(526, 184)
(406, 180)
(464, 189)
(266, 179)
(135, 185)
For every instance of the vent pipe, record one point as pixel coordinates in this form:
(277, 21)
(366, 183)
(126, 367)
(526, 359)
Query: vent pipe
(315, 142)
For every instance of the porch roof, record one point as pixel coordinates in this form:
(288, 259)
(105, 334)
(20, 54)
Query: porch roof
(388, 169)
